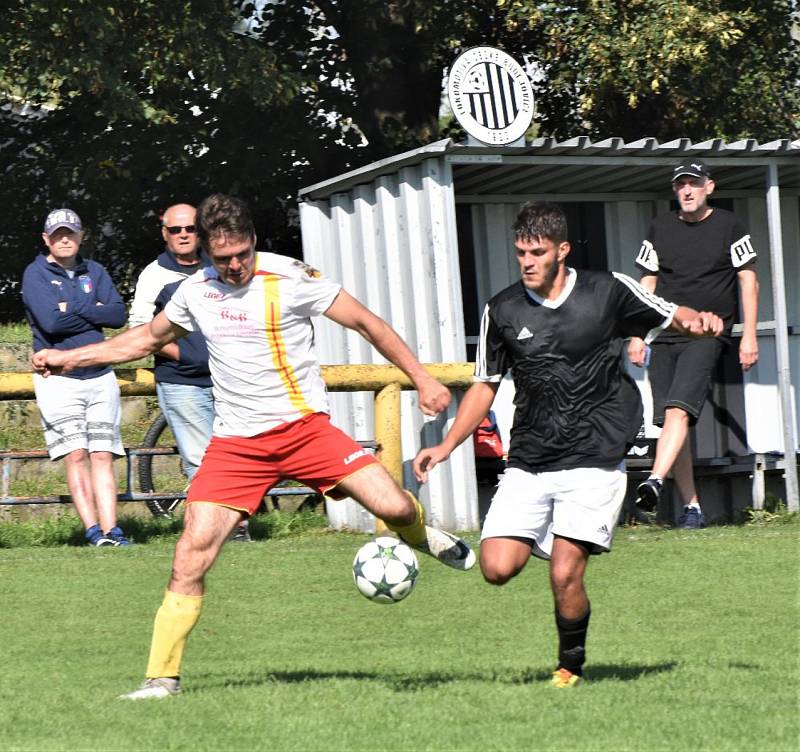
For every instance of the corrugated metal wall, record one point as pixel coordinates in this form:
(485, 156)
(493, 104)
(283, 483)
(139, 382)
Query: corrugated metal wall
(392, 244)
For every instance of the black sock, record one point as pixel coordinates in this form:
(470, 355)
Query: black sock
(572, 641)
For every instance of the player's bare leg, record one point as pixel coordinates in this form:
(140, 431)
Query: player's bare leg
(206, 528)
(376, 491)
(503, 558)
(567, 568)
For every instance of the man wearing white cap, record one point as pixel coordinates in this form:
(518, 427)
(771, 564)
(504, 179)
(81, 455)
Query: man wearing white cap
(68, 300)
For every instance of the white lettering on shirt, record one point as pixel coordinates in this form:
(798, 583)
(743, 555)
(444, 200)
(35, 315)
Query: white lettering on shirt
(742, 251)
(648, 258)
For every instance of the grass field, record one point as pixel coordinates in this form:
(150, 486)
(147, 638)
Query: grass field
(693, 646)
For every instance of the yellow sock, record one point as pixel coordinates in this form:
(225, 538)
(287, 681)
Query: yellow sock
(414, 533)
(175, 619)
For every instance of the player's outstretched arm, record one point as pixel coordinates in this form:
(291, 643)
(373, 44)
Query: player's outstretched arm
(130, 345)
(696, 324)
(347, 311)
(472, 410)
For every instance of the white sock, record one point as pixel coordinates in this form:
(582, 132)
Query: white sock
(693, 505)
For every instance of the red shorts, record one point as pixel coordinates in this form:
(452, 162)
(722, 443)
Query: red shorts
(237, 472)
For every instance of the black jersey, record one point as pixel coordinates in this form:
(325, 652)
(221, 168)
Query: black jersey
(575, 404)
(696, 262)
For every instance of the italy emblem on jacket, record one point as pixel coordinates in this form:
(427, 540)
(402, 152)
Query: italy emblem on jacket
(86, 283)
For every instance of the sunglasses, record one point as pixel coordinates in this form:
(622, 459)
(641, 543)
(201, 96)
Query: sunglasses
(177, 229)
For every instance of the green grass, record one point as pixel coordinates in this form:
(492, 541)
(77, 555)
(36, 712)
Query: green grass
(52, 480)
(67, 530)
(693, 645)
(15, 333)
(19, 333)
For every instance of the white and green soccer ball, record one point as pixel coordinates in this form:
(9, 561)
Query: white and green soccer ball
(385, 570)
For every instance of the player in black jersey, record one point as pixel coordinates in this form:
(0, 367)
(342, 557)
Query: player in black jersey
(696, 257)
(560, 332)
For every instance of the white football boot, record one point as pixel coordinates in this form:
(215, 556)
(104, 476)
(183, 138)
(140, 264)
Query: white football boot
(446, 548)
(154, 689)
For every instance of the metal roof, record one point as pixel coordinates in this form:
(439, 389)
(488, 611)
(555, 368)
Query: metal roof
(579, 167)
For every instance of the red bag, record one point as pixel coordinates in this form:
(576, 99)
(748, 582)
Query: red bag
(486, 439)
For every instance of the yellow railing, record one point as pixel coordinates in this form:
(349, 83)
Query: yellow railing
(385, 381)
(139, 382)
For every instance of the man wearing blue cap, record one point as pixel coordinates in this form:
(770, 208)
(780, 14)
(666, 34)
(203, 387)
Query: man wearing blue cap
(68, 300)
(698, 256)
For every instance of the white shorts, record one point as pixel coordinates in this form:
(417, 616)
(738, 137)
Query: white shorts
(79, 413)
(582, 504)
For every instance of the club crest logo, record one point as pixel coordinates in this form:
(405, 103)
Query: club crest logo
(490, 95)
(309, 270)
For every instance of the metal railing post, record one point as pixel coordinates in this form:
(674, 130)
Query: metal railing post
(387, 435)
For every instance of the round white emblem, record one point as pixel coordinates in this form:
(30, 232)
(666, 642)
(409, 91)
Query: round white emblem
(490, 95)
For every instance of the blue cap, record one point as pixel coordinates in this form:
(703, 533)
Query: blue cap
(62, 218)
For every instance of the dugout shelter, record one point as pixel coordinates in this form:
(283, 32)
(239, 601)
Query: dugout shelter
(423, 238)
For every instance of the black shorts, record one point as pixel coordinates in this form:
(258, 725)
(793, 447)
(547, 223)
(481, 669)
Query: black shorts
(680, 375)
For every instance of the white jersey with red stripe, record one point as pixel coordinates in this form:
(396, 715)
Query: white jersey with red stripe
(260, 341)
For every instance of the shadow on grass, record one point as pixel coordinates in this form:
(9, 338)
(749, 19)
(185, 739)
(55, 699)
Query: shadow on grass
(417, 681)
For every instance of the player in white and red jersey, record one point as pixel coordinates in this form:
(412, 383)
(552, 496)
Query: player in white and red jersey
(254, 311)
(260, 341)
(560, 332)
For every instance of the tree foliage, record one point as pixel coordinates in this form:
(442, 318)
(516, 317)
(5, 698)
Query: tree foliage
(119, 109)
(381, 64)
(664, 68)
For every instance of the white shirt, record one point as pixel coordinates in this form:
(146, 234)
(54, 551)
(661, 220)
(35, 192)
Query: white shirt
(152, 280)
(260, 341)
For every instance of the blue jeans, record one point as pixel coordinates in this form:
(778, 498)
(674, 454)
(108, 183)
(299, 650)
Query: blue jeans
(190, 413)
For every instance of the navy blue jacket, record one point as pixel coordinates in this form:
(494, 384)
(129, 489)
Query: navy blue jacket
(45, 284)
(192, 368)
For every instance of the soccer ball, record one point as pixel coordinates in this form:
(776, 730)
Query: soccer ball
(385, 570)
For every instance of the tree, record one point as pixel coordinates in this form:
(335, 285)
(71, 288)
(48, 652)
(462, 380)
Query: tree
(119, 109)
(379, 64)
(664, 68)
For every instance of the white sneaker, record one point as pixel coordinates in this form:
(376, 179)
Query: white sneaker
(446, 548)
(154, 689)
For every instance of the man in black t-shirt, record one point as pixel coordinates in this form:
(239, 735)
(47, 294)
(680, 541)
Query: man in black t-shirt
(697, 256)
(560, 332)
